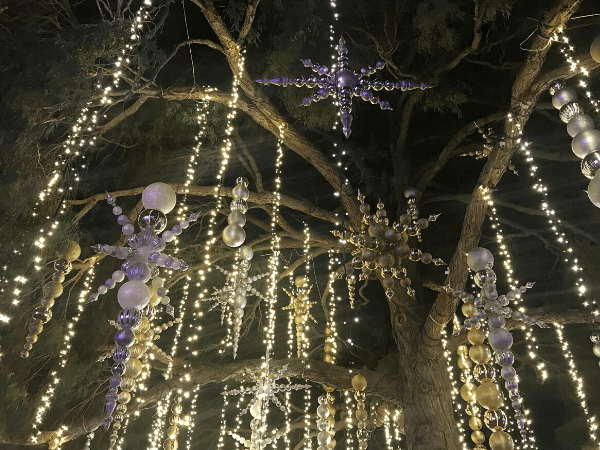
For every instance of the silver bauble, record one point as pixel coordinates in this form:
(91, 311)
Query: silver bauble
(569, 110)
(239, 301)
(590, 164)
(236, 217)
(585, 143)
(234, 235)
(593, 191)
(480, 259)
(559, 84)
(579, 123)
(239, 205)
(500, 339)
(152, 218)
(246, 252)
(129, 318)
(124, 338)
(563, 96)
(240, 192)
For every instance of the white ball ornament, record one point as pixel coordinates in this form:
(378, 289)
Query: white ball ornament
(234, 235)
(133, 294)
(480, 259)
(159, 196)
(563, 96)
(236, 217)
(500, 339)
(585, 143)
(593, 191)
(579, 123)
(239, 301)
(323, 438)
(240, 192)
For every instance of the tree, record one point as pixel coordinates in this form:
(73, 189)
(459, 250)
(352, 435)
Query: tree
(149, 125)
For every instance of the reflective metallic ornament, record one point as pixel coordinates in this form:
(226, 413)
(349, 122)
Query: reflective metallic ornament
(234, 235)
(152, 218)
(488, 395)
(129, 318)
(563, 96)
(590, 164)
(484, 372)
(495, 420)
(569, 110)
(500, 440)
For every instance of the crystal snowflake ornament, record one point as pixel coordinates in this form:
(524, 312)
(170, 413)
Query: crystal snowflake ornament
(344, 84)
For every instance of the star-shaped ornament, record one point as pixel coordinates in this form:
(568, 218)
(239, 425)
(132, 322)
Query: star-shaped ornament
(344, 84)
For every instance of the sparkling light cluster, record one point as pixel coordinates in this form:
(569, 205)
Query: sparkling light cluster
(79, 137)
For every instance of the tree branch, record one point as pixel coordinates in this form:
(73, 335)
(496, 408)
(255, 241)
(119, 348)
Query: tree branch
(525, 92)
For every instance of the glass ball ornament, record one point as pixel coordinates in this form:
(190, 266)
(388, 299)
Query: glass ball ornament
(489, 395)
(475, 423)
(480, 259)
(124, 338)
(42, 314)
(159, 196)
(484, 371)
(234, 235)
(127, 229)
(495, 419)
(480, 353)
(129, 318)
(579, 123)
(585, 143)
(323, 438)
(593, 191)
(237, 204)
(239, 301)
(386, 260)
(590, 164)
(467, 392)
(236, 217)
(500, 440)
(139, 271)
(240, 192)
(570, 110)
(133, 294)
(500, 339)
(563, 96)
(133, 367)
(472, 409)
(152, 218)
(52, 289)
(508, 373)
(477, 437)
(120, 355)
(476, 336)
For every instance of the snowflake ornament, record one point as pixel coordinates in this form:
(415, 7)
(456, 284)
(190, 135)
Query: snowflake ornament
(344, 84)
(232, 296)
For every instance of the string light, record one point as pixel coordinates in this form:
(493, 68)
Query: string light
(47, 395)
(81, 135)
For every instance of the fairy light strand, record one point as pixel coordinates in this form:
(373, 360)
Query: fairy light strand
(47, 395)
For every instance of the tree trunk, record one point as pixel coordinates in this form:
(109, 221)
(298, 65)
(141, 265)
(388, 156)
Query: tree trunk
(428, 413)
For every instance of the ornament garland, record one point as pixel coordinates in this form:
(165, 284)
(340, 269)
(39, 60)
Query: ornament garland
(234, 234)
(51, 291)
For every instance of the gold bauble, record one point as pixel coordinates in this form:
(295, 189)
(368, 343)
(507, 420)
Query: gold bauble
(331, 409)
(124, 397)
(595, 49)
(462, 350)
(500, 440)
(467, 392)
(475, 423)
(127, 383)
(154, 298)
(469, 309)
(73, 251)
(136, 350)
(331, 421)
(488, 395)
(478, 437)
(328, 358)
(331, 443)
(464, 362)
(172, 431)
(359, 383)
(121, 408)
(133, 367)
(480, 353)
(52, 289)
(176, 409)
(476, 336)
(300, 281)
(328, 347)
(328, 331)
(171, 444)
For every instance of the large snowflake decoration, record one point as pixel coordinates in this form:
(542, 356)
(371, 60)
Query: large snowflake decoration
(265, 390)
(232, 296)
(344, 84)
